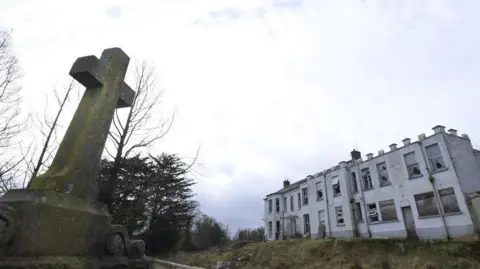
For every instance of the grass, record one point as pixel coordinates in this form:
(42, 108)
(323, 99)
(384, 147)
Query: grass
(347, 254)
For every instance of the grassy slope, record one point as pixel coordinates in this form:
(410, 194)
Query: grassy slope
(346, 253)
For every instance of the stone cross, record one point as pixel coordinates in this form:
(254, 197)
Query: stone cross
(77, 162)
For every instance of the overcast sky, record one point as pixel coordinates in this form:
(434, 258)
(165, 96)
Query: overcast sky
(270, 89)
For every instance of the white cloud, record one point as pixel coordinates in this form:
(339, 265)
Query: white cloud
(283, 90)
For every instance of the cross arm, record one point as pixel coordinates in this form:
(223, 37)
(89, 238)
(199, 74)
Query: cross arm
(84, 71)
(126, 96)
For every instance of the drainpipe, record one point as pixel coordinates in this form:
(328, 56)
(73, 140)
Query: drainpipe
(328, 208)
(365, 209)
(431, 179)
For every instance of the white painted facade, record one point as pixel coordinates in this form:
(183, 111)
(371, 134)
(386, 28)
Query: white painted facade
(406, 203)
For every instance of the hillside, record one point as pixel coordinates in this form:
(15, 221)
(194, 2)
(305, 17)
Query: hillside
(343, 253)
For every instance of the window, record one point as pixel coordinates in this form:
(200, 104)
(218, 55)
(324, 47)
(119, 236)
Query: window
(388, 210)
(339, 212)
(277, 205)
(372, 212)
(383, 174)
(299, 201)
(277, 229)
(319, 191)
(284, 204)
(306, 223)
(305, 196)
(367, 179)
(435, 157)
(269, 206)
(412, 165)
(270, 229)
(354, 182)
(449, 201)
(336, 186)
(291, 203)
(321, 217)
(357, 212)
(426, 205)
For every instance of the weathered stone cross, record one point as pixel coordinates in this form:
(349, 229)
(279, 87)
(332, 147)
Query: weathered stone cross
(77, 162)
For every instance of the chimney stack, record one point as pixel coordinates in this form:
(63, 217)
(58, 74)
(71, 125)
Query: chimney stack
(439, 129)
(421, 137)
(370, 156)
(406, 141)
(393, 146)
(453, 132)
(356, 155)
(465, 136)
(381, 152)
(286, 183)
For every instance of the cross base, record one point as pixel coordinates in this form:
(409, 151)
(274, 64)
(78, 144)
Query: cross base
(44, 223)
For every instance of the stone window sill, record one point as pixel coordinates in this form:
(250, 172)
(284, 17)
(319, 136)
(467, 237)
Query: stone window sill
(336, 195)
(415, 176)
(369, 189)
(385, 185)
(319, 200)
(340, 225)
(429, 216)
(453, 214)
(439, 170)
(384, 222)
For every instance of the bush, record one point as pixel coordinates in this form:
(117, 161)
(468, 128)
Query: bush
(241, 244)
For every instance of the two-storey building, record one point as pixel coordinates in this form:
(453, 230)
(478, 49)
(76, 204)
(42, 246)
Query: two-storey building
(422, 188)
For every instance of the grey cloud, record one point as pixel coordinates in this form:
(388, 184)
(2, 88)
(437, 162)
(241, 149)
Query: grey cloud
(230, 13)
(114, 12)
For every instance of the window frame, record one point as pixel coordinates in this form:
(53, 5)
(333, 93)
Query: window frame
(441, 194)
(432, 158)
(410, 167)
(305, 196)
(292, 205)
(369, 179)
(353, 178)
(339, 211)
(376, 213)
(357, 212)
(387, 203)
(381, 174)
(319, 189)
(434, 203)
(299, 200)
(270, 206)
(337, 191)
(277, 205)
(306, 223)
(270, 229)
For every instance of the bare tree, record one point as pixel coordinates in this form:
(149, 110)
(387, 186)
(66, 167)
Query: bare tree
(48, 128)
(134, 131)
(10, 124)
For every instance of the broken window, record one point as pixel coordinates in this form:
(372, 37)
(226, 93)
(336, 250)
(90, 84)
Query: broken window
(270, 206)
(367, 179)
(388, 210)
(336, 186)
(340, 219)
(305, 196)
(383, 174)
(426, 205)
(435, 157)
(412, 165)
(306, 223)
(354, 182)
(449, 201)
(277, 205)
(319, 191)
(357, 212)
(372, 212)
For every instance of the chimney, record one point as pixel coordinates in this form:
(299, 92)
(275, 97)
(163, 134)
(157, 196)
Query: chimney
(453, 132)
(393, 146)
(286, 183)
(439, 129)
(406, 141)
(465, 136)
(356, 155)
(421, 137)
(342, 164)
(381, 152)
(370, 156)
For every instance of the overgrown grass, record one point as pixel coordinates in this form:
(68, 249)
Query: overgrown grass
(346, 253)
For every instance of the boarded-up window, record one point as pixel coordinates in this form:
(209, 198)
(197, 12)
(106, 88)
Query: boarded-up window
(357, 211)
(449, 201)
(426, 205)
(388, 210)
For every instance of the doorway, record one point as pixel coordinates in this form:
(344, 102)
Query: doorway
(409, 222)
